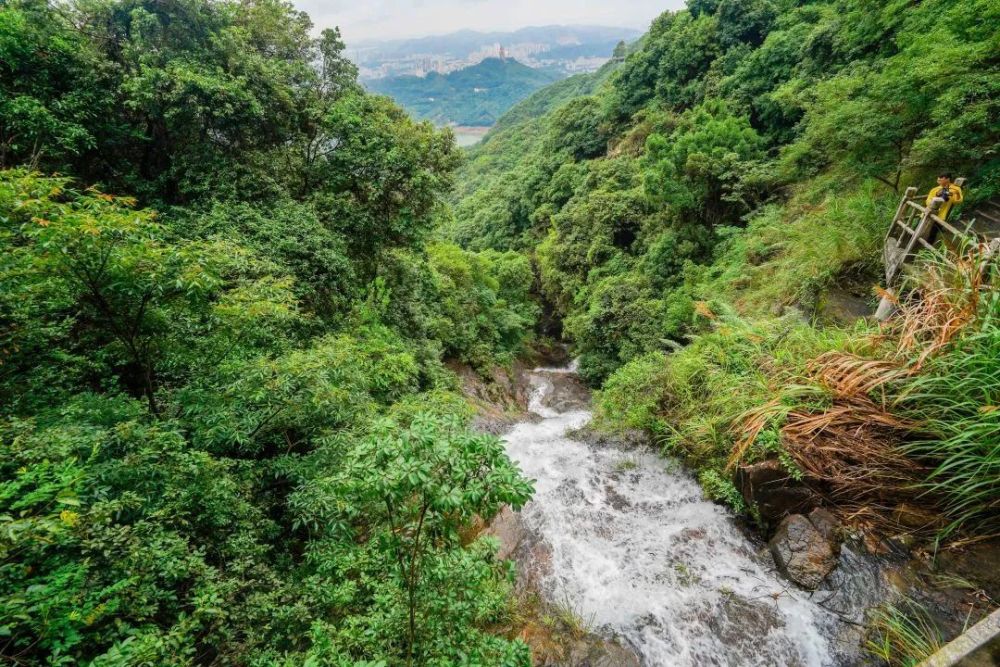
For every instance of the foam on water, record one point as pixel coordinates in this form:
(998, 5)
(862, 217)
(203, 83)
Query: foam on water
(637, 552)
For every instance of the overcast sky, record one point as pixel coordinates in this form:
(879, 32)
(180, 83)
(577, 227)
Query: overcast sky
(391, 19)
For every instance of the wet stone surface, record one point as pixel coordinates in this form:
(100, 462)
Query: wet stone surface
(803, 552)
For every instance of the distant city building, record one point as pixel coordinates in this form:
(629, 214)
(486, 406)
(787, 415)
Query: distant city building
(565, 49)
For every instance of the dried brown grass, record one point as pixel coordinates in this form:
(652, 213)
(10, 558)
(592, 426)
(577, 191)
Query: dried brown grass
(942, 301)
(851, 450)
(849, 375)
(850, 453)
(748, 427)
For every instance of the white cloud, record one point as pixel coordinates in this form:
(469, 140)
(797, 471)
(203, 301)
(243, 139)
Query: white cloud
(390, 19)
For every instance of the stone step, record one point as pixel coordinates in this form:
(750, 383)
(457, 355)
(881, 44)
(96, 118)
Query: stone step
(977, 647)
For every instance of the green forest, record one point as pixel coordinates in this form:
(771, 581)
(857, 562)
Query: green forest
(691, 210)
(231, 279)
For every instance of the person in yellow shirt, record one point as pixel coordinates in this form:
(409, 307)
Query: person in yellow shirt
(948, 191)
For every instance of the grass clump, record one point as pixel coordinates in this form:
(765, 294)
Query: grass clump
(903, 636)
(722, 489)
(627, 465)
(950, 343)
(956, 398)
(694, 401)
(912, 414)
(789, 254)
(871, 418)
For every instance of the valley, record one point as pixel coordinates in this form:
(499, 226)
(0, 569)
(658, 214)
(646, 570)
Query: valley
(689, 357)
(475, 96)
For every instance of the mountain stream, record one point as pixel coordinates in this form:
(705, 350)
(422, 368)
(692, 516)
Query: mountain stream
(633, 549)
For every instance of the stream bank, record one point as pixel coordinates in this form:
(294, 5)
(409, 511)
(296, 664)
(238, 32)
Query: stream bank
(623, 540)
(622, 562)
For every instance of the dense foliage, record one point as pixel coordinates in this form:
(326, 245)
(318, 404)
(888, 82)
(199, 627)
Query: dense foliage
(706, 219)
(227, 433)
(474, 96)
(230, 279)
(632, 188)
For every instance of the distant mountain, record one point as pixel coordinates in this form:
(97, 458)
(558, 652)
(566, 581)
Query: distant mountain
(474, 96)
(465, 41)
(570, 49)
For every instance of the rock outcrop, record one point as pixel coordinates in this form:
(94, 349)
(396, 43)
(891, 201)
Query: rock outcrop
(805, 548)
(768, 487)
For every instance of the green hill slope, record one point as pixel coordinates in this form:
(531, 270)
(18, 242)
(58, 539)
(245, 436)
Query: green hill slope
(206, 406)
(475, 96)
(696, 215)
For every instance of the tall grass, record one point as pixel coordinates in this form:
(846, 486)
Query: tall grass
(903, 636)
(693, 402)
(789, 254)
(941, 379)
(951, 337)
(957, 398)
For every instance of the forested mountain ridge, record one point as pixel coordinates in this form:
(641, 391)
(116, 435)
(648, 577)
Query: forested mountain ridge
(560, 47)
(475, 96)
(464, 41)
(724, 110)
(230, 278)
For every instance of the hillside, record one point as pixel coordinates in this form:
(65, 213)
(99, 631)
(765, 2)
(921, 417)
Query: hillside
(224, 323)
(258, 326)
(699, 215)
(474, 96)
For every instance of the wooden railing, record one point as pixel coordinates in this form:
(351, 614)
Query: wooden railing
(914, 228)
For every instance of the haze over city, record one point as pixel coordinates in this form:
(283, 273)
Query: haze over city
(393, 19)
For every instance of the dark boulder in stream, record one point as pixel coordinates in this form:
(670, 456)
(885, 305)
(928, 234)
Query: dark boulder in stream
(805, 549)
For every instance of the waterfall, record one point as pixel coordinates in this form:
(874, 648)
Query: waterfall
(637, 552)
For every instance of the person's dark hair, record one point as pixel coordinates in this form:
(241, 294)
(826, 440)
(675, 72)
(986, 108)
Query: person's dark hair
(945, 174)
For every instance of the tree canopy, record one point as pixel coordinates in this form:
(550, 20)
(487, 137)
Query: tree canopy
(222, 334)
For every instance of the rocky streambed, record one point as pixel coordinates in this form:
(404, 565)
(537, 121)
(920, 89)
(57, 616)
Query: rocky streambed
(624, 540)
(623, 562)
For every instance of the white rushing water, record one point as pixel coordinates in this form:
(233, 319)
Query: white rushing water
(639, 554)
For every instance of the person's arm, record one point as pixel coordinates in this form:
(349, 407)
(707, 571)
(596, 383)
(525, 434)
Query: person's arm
(932, 195)
(956, 194)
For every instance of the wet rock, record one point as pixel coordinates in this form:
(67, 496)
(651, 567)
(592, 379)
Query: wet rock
(595, 652)
(568, 393)
(825, 523)
(768, 486)
(842, 306)
(976, 563)
(802, 552)
(492, 424)
(856, 585)
(742, 621)
(500, 393)
(509, 530)
(624, 440)
(691, 535)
